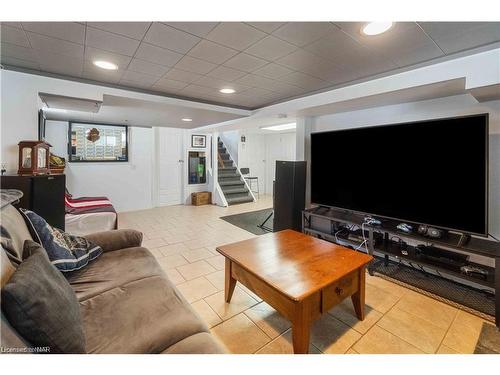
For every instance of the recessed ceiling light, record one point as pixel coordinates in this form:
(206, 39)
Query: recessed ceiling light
(227, 91)
(375, 28)
(281, 127)
(186, 119)
(106, 65)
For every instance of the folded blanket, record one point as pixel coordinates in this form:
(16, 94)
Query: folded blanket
(86, 205)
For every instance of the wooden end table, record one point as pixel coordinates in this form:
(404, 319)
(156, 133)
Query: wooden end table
(300, 276)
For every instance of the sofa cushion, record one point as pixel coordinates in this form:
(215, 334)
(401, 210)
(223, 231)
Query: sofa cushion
(143, 316)
(14, 228)
(112, 270)
(200, 343)
(66, 252)
(111, 240)
(40, 304)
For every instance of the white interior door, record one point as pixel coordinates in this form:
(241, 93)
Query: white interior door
(278, 147)
(170, 166)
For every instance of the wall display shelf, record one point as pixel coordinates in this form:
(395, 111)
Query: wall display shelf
(349, 229)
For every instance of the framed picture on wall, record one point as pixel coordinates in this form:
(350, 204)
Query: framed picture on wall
(198, 141)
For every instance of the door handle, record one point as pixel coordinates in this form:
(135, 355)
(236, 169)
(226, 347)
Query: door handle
(181, 161)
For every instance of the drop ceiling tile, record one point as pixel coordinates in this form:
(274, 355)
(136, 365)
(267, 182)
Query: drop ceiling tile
(135, 84)
(194, 65)
(245, 62)
(181, 75)
(235, 35)
(271, 48)
(17, 52)
(60, 64)
(19, 63)
(62, 47)
(132, 76)
(13, 35)
(17, 25)
(267, 27)
(167, 37)
(225, 73)
(302, 33)
(344, 51)
(134, 30)
(304, 81)
(111, 42)
(253, 80)
(170, 84)
(200, 29)
(199, 90)
(218, 84)
(157, 55)
(146, 67)
(273, 71)
(458, 36)
(258, 93)
(95, 54)
(307, 62)
(213, 52)
(72, 31)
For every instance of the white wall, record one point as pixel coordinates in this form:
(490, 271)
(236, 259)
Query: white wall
(260, 152)
(127, 185)
(430, 109)
(231, 141)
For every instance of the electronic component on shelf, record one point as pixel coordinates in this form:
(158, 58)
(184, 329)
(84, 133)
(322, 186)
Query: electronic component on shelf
(475, 271)
(403, 227)
(441, 256)
(431, 232)
(372, 221)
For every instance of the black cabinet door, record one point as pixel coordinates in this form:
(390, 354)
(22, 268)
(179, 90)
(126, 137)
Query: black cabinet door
(42, 194)
(48, 198)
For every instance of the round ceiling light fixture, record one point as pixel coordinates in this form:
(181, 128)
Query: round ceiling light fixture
(227, 91)
(186, 119)
(106, 65)
(376, 28)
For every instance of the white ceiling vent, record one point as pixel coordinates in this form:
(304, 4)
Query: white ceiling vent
(70, 103)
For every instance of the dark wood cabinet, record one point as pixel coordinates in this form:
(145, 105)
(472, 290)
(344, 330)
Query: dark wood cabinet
(43, 194)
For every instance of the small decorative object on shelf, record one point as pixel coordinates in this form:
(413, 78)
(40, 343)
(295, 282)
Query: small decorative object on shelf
(57, 164)
(4, 168)
(33, 157)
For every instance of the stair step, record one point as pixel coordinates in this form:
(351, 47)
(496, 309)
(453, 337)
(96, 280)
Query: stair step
(231, 201)
(226, 169)
(224, 156)
(222, 150)
(231, 182)
(227, 163)
(234, 174)
(234, 190)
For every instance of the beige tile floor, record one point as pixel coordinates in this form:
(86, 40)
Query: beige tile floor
(398, 320)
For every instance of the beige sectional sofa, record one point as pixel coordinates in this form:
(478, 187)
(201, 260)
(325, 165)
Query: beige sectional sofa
(128, 304)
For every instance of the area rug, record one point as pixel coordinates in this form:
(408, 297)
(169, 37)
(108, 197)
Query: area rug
(489, 340)
(250, 221)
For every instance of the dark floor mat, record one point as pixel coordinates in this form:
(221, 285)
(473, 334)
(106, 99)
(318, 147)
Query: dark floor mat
(250, 221)
(448, 291)
(489, 340)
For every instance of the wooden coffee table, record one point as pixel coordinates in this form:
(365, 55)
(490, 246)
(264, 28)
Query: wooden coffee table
(302, 277)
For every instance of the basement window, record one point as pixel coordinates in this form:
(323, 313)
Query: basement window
(90, 142)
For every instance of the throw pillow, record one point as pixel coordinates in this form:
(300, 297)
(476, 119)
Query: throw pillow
(41, 305)
(66, 252)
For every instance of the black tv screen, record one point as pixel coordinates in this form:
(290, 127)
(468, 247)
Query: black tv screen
(429, 172)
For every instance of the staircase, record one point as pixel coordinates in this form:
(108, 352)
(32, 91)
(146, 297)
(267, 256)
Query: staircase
(230, 181)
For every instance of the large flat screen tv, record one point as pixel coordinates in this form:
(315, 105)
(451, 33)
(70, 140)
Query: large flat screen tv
(429, 172)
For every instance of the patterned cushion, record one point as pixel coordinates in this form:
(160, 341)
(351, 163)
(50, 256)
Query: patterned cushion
(65, 251)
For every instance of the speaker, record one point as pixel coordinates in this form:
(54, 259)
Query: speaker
(289, 194)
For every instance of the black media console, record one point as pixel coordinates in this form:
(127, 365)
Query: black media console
(435, 254)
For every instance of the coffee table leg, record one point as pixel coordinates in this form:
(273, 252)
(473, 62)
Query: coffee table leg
(230, 282)
(300, 337)
(358, 298)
